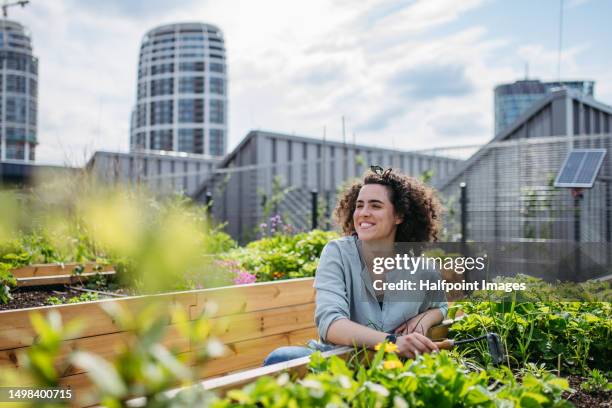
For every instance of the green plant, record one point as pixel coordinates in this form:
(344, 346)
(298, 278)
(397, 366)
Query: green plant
(84, 297)
(282, 256)
(143, 366)
(7, 282)
(568, 336)
(596, 382)
(435, 380)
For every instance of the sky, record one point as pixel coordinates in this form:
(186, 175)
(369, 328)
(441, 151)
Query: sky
(405, 74)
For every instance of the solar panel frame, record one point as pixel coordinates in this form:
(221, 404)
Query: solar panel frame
(580, 168)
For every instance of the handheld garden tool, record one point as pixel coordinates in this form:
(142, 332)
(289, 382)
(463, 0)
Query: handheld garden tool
(496, 347)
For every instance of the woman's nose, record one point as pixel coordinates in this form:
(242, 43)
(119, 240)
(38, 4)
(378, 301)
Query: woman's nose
(365, 212)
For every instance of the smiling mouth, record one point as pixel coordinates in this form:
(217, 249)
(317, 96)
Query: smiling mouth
(365, 225)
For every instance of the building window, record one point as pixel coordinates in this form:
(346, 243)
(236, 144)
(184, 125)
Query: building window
(161, 112)
(217, 86)
(141, 115)
(191, 111)
(16, 110)
(216, 111)
(15, 134)
(163, 86)
(15, 150)
(161, 139)
(140, 140)
(191, 141)
(191, 85)
(195, 66)
(162, 68)
(15, 83)
(142, 89)
(32, 113)
(216, 142)
(16, 61)
(217, 67)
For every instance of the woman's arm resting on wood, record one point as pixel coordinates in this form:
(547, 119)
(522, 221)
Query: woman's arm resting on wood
(422, 322)
(345, 332)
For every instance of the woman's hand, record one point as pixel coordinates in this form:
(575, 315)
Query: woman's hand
(414, 344)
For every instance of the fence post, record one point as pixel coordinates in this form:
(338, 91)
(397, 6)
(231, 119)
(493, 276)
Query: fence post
(315, 208)
(463, 202)
(208, 202)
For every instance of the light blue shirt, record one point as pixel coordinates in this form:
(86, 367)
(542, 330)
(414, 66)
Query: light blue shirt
(344, 291)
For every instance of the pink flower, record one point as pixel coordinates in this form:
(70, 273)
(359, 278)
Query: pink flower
(244, 278)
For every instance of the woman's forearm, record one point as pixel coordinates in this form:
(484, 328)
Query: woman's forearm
(345, 332)
(431, 318)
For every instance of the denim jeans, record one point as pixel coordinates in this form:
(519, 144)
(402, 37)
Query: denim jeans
(287, 353)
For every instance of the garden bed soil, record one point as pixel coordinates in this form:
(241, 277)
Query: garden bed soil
(36, 296)
(583, 399)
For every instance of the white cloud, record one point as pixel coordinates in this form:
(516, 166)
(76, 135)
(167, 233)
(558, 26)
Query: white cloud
(293, 67)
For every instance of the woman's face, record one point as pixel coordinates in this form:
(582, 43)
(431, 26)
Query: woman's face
(374, 217)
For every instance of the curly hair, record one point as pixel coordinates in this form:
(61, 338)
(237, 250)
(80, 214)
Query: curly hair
(414, 201)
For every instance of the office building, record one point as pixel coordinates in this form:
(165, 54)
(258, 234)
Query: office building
(19, 93)
(511, 100)
(181, 101)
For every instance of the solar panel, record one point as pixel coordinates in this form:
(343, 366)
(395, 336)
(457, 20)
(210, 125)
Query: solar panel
(580, 168)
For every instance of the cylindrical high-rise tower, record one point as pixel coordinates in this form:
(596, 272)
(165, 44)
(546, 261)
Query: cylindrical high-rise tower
(181, 102)
(18, 93)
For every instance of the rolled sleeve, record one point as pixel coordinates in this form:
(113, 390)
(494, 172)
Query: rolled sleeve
(332, 298)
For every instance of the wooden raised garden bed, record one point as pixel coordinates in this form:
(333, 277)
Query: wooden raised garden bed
(58, 274)
(251, 320)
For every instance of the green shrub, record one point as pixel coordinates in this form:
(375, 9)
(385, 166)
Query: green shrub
(568, 336)
(282, 256)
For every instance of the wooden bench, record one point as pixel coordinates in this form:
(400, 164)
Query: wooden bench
(251, 320)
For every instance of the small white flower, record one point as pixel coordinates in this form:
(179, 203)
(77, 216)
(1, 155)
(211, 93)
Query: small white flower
(399, 402)
(344, 381)
(316, 389)
(377, 388)
(282, 379)
(215, 348)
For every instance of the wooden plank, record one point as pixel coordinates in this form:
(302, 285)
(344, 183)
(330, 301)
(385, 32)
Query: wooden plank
(16, 330)
(58, 279)
(298, 367)
(251, 353)
(245, 326)
(245, 356)
(105, 346)
(39, 270)
(258, 296)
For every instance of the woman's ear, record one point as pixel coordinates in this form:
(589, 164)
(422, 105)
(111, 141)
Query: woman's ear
(399, 219)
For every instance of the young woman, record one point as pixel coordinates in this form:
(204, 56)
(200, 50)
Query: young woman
(384, 209)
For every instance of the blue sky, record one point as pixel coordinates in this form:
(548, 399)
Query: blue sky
(409, 74)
